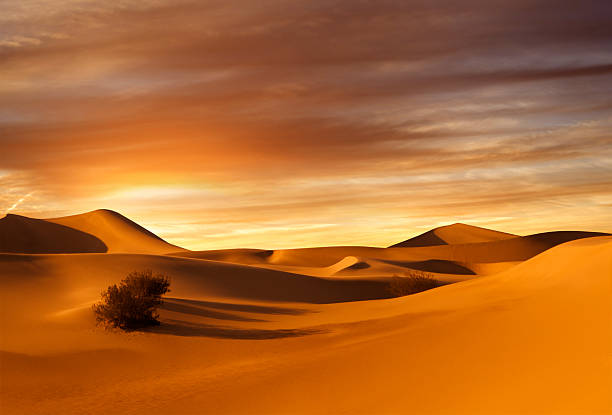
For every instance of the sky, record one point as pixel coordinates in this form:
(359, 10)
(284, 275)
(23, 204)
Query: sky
(271, 124)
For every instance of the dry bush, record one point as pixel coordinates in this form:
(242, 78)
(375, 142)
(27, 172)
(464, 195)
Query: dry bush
(133, 303)
(412, 283)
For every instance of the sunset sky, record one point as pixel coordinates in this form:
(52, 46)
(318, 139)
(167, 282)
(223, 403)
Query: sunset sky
(273, 124)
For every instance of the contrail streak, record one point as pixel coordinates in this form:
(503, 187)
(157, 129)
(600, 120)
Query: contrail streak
(17, 203)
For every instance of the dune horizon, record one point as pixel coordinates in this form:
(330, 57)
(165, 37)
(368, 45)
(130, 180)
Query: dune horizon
(458, 232)
(467, 233)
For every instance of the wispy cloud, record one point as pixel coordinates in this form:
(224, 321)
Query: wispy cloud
(228, 116)
(18, 202)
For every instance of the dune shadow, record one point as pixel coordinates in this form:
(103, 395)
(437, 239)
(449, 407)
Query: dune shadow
(253, 283)
(434, 265)
(359, 265)
(188, 329)
(20, 234)
(264, 254)
(555, 238)
(247, 308)
(428, 238)
(179, 306)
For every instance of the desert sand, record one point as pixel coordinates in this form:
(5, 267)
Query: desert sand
(521, 324)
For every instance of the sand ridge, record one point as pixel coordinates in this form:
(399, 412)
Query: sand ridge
(482, 258)
(101, 230)
(119, 233)
(458, 233)
(21, 234)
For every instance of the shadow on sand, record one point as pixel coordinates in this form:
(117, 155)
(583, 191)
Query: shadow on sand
(230, 312)
(181, 306)
(245, 308)
(188, 329)
(441, 266)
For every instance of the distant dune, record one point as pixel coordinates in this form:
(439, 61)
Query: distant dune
(25, 235)
(98, 231)
(458, 233)
(118, 232)
(307, 331)
(462, 258)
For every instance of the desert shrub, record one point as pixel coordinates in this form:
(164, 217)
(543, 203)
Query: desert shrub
(134, 302)
(414, 282)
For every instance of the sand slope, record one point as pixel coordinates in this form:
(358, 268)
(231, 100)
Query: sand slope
(536, 339)
(117, 232)
(97, 231)
(481, 258)
(306, 331)
(533, 339)
(458, 233)
(26, 235)
(193, 278)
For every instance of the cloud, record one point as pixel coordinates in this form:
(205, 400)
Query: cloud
(17, 203)
(334, 111)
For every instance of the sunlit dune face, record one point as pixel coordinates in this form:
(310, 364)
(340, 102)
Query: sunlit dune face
(281, 124)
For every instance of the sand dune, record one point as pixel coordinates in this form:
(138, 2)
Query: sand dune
(118, 232)
(500, 344)
(346, 263)
(367, 266)
(195, 278)
(458, 233)
(237, 256)
(462, 250)
(306, 330)
(495, 345)
(26, 235)
(350, 266)
(479, 258)
(98, 231)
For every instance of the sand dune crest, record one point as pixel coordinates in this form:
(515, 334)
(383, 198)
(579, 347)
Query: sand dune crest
(458, 233)
(19, 234)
